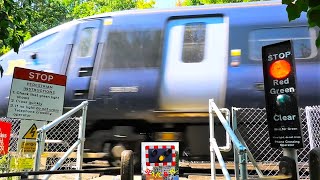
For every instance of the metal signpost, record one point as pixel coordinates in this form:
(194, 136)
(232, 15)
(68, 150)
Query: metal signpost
(281, 98)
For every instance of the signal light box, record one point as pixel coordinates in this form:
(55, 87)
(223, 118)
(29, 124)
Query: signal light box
(160, 160)
(283, 113)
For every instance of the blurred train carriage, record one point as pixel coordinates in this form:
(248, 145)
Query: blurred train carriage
(148, 74)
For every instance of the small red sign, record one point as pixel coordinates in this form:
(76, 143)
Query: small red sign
(39, 76)
(5, 130)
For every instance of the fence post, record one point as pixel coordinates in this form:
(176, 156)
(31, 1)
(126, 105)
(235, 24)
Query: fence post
(126, 170)
(40, 140)
(81, 137)
(243, 165)
(235, 150)
(211, 141)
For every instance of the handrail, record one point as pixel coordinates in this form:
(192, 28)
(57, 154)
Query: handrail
(228, 145)
(79, 143)
(242, 149)
(250, 156)
(226, 126)
(63, 117)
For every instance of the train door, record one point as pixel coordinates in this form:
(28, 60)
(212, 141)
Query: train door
(80, 67)
(129, 69)
(195, 63)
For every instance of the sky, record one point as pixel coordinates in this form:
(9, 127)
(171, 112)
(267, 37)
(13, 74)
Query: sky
(165, 3)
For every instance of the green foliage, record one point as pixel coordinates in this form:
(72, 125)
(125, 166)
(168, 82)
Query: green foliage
(141, 4)
(19, 20)
(311, 7)
(45, 15)
(191, 3)
(4, 49)
(13, 18)
(88, 8)
(202, 2)
(4, 163)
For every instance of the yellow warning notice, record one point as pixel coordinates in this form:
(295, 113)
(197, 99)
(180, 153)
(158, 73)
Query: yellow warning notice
(31, 133)
(28, 147)
(21, 163)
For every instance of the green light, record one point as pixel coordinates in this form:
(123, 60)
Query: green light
(283, 102)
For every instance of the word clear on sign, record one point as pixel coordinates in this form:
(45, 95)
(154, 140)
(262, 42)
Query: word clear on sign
(5, 130)
(36, 95)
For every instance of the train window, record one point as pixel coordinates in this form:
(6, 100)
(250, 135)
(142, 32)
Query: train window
(86, 42)
(194, 42)
(301, 37)
(40, 43)
(128, 48)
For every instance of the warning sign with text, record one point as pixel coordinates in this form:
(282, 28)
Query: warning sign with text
(5, 130)
(36, 95)
(28, 135)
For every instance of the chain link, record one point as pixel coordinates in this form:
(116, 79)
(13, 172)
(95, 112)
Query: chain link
(252, 125)
(59, 139)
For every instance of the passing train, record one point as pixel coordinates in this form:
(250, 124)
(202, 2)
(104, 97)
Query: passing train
(148, 74)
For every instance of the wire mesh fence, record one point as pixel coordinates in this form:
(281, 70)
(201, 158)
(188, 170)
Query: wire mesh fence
(313, 118)
(14, 135)
(58, 140)
(252, 125)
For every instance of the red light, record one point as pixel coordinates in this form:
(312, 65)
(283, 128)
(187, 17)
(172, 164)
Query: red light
(280, 69)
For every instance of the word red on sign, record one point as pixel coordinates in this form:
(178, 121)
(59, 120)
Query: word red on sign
(39, 76)
(5, 130)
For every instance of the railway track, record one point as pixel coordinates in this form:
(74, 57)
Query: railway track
(196, 169)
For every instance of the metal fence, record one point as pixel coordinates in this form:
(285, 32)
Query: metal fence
(58, 140)
(5, 159)
(313, 118)
(252, 125)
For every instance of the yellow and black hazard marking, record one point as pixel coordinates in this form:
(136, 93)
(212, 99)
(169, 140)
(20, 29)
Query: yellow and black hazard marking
(31, 133)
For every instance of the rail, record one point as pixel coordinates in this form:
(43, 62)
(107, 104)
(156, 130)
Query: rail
(250, 156)
(78, 144)
(214, 149)
(24, 175)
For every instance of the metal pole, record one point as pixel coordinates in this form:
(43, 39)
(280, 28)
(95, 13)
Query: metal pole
(63, 158)
(249, 155)
(227, 127)
(308, 110)
(212, 153)
(40, 140)
(243, 165)
(235, 150)
(228, 146)
(221, 161)
(292, 153)
(81, 136)
(64, 116)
